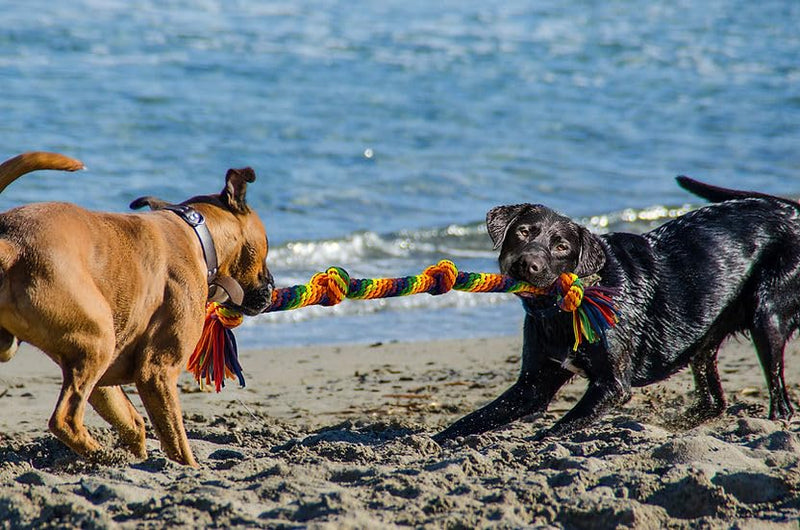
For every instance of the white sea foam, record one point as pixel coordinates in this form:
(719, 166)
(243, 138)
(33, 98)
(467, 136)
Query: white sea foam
(405, 253)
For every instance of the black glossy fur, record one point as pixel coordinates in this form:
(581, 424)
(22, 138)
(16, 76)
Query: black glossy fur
(729, 267)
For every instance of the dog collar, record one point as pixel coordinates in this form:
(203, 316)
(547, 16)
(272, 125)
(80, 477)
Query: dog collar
(220, 287)
(198, 223)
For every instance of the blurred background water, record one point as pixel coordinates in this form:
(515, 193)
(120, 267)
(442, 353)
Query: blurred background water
(381, 132)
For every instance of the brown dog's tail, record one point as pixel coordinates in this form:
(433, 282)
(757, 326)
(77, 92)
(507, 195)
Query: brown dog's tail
(15, 167)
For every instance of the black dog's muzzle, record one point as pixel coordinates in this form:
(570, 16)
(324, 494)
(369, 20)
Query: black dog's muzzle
(531, 264)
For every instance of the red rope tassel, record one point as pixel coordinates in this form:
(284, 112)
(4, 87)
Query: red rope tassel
(216, 355)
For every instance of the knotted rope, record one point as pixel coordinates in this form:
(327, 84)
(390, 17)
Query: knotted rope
(593, 311)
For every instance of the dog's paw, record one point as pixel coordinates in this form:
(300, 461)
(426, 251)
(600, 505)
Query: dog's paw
(697, 414)
(114, 457)
(542, 435)
(443, 441)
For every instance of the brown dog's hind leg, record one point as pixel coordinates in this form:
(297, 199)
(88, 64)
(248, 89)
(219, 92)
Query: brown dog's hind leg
(115, 407)
(710, 396)
(66, 423)
(158, 388)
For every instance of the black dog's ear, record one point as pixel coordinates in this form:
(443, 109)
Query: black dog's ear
(152, 202)
(233, 195)
(499, 218)
(591, 257)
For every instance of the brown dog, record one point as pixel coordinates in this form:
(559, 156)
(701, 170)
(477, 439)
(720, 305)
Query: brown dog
(120, 298)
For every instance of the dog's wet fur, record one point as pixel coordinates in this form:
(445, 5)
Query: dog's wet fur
(120, 298)
(729, 267)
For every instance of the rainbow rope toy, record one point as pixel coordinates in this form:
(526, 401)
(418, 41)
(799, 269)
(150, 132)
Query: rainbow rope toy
(216, 356)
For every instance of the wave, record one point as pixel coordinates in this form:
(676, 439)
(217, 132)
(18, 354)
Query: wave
(368, 254)
(469, 241)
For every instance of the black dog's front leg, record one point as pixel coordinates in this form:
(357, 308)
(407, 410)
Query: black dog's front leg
(598, 399)
(531, 393)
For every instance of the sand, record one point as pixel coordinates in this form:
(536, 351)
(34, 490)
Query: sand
(338, 437)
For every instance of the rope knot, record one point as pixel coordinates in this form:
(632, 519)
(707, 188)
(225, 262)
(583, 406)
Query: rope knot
(329, 287)
(338, 284)
(229, 318)
(570, 288)
(443, 275)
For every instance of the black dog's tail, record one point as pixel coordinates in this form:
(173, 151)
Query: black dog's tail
(716, 193)
(713, 193)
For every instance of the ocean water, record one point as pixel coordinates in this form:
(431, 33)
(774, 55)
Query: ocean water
(381, 132)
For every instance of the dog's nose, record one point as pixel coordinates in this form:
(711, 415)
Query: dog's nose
(534, 264)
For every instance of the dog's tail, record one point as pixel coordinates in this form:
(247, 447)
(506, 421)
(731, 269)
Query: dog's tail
(713, 193)
(15, 167)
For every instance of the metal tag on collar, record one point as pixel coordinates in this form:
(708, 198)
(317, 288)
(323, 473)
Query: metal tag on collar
(188, 214)
(195, 218)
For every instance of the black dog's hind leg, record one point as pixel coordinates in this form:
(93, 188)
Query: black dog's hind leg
(710, 396)
(530, 394)
(770, 340)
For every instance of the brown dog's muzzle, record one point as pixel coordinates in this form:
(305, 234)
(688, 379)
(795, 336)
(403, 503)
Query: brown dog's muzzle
(256, 300)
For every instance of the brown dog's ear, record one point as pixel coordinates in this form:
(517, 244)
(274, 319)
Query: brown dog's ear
(236, 187)
(152, 202)
(591, 257)
(499, 218)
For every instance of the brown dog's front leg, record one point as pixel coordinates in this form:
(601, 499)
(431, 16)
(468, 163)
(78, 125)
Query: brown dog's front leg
(159, 393)
(115, 407)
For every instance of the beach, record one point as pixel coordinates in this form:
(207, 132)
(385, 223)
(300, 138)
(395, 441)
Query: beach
(338, 436)
(381, 136)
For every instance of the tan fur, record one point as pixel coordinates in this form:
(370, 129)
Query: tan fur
(117, 299)
(15, 167)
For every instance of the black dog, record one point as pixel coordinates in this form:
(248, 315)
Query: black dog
(682, 288)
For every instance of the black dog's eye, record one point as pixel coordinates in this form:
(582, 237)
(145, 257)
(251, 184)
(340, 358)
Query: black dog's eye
(523, 232)
(560, 246)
